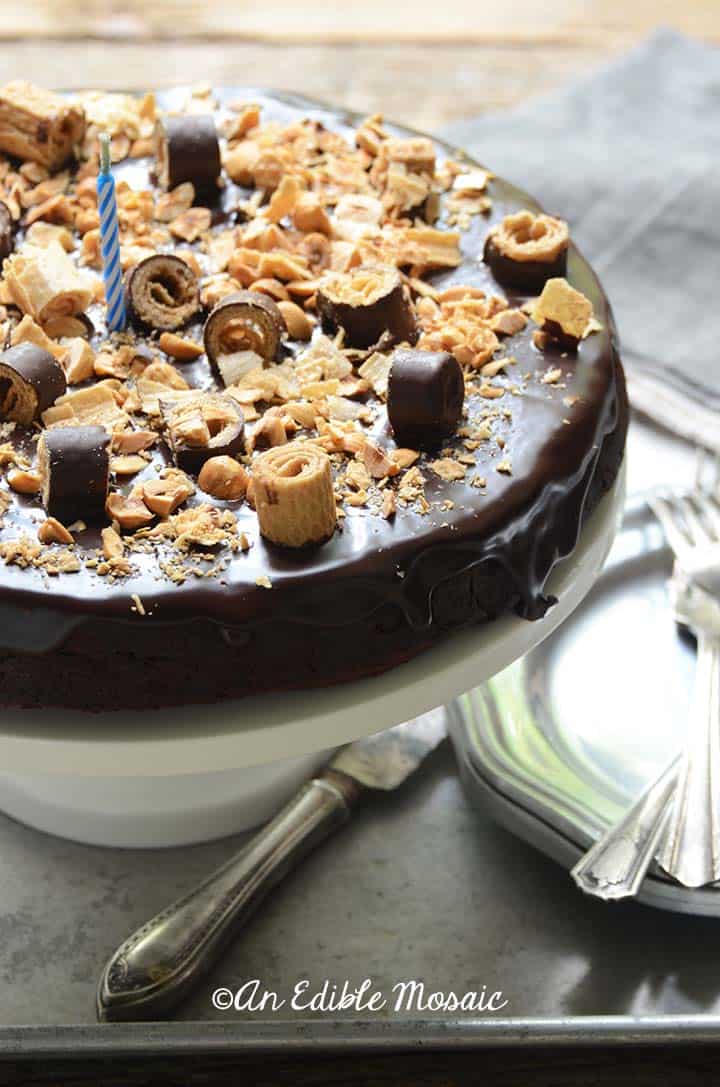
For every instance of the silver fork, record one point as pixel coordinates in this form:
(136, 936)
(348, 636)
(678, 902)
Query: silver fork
(677, 818)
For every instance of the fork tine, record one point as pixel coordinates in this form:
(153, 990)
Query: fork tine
(715, 482)
(667, 514)
(699, 466)
(709, 509)
(697, 531)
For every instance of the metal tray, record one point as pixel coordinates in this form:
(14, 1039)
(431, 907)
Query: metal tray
(558, 745)
(419, 887)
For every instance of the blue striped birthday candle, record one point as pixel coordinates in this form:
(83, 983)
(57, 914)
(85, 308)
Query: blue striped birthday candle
(110, 241)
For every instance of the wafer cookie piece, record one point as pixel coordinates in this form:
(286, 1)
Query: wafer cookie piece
(293, 494)
(38, 125)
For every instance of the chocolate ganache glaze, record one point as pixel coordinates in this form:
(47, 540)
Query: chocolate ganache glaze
(380, 590)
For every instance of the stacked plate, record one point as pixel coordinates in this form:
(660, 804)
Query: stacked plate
(558, 745)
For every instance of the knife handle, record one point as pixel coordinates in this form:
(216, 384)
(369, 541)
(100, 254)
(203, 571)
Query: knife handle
(156, 967)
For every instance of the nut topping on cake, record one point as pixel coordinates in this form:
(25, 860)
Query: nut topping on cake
(166, 494)
(339, 256)
(564, 313)
(223, 477)
(52, 531)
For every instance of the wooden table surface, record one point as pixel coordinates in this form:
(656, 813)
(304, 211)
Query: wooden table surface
(422, 62)
(425, 63)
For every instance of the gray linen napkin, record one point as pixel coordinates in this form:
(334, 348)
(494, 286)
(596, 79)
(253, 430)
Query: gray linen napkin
(631, 157)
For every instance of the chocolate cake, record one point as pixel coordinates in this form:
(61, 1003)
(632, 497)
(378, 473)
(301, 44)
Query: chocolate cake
(368, 395)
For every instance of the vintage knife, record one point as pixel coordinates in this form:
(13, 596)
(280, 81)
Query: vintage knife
(156, 967)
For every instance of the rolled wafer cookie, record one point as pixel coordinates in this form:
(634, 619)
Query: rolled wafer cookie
(74, 464)
(370, 305)
(293, 494)
(31, 380)
(187, 149)
(6, 231)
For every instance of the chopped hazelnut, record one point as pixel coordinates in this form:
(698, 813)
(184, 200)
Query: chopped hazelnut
(24, 481)
(377, 462)
(171, 204)
(127, 464)
(283, 200)
(223, 477)
(310, 216)
(129, 513)
(133, 441)
(166, 494)
(404, 458)
(191, 224)
(298, 323)
(52, 531)
(179, 348)
(389, 505)
(112, 544)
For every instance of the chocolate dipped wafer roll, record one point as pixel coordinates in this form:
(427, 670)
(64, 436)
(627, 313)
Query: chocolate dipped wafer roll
(162, 293)
(187, 149)
(74, 465)
(203, 426)
(370, 305)
(426, 390)
(31, 380)
(525, 250)
(6, 232)
(245, 322)
(293, 494)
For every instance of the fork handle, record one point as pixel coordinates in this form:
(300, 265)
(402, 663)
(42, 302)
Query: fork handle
(616, 865)
(691, 850)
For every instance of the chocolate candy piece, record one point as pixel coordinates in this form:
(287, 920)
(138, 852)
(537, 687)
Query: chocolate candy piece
(162, 293)
(74, 464)
(241, 323)
(425, 397)
(187, 149)
(6, 232)
(201, 426)
(371, 305)
(525, 250)
(30, 381)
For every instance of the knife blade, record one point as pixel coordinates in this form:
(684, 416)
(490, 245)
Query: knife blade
(385, 760)
(156, 967)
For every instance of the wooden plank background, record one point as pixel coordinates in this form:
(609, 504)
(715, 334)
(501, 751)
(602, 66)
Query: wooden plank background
(486, 21)
(422, 62)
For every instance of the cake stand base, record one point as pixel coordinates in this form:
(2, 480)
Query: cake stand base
(189, 774)
(149, 812)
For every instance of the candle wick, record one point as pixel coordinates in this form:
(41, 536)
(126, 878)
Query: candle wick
(104, 153)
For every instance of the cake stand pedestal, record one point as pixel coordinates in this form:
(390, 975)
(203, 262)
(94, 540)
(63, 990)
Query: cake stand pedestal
(173, 777)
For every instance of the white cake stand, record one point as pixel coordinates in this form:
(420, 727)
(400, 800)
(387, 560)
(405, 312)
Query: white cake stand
(173, 777)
